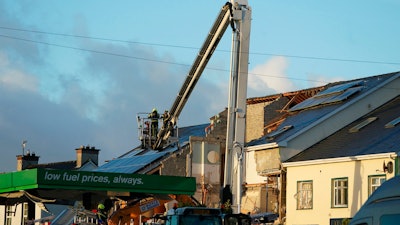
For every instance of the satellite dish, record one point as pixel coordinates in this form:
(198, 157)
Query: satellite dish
(388, 167)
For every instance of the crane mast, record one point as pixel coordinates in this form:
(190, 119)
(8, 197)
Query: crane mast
(238, 14)
(236, 117)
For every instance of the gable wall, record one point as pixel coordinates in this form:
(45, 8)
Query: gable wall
(260, 114)
(175, 165)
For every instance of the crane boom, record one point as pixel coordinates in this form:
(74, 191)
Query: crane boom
(204, 55)
(238, 14)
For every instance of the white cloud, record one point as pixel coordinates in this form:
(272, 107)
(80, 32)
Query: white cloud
(270, 78)
(15, 79)
(315, 80)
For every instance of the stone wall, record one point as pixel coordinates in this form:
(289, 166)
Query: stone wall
(175, 165)
(260, 114)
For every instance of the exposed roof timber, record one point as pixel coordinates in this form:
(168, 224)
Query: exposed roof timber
(276, 123)
(295, 96)
(257, 100)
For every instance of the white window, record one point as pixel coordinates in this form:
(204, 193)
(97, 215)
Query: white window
(304, 195)
(375, 182)
(339, 192)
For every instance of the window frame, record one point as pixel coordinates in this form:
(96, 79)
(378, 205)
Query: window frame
(25, 212)
(370, 185)
(9, 214)
(339, 189)
(301, 203)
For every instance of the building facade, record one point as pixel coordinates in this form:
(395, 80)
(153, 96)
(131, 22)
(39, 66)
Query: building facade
(333, 178)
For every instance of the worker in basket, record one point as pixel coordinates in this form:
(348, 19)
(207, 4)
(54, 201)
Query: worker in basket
(154, 116)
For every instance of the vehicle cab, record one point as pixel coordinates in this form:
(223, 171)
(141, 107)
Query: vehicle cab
(382, 207)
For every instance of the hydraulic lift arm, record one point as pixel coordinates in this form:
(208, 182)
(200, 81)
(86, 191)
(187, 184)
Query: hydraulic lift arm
(236, 117)
(238, 14)
(204, 55)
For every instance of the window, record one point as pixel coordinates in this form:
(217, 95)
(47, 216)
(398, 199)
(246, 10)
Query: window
(389, 219)
(340, 221)
(393, 123)
(364, 123)
(9, 214)
(304, 195)
(374, 182)
(25, 213)
(339, 192)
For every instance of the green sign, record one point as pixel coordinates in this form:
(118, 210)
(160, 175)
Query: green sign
(69, 178)
(84, 180)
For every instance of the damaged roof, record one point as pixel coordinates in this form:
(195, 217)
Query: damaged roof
(374, 133)
(334, 96)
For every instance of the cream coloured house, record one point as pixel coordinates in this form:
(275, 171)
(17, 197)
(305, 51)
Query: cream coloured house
(308, 123)
(328, 182)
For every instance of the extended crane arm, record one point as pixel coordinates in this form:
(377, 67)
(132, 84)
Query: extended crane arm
(204, 55)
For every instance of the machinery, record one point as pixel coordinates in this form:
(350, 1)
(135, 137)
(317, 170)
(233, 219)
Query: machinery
(237, 14)
(193, 215)
(204, 216)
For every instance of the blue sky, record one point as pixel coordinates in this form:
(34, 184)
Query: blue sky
(77, 72)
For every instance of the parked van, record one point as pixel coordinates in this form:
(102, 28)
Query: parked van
(382, 207)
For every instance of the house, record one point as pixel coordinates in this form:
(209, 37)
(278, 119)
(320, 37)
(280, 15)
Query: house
(310, 122)
(20, 209)
(264, 115)
(328, 182)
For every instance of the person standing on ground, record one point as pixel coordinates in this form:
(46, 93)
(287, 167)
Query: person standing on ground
(102, 214)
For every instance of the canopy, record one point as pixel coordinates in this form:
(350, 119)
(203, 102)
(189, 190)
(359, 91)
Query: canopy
(74, 185)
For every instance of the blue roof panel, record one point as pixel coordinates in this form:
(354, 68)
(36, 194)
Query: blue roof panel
(333, 94)
(339, 88)
(130, 164)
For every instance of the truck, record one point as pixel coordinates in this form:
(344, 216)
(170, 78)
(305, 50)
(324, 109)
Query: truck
(204, 216)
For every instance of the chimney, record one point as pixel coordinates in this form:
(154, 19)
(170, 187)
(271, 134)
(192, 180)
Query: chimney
(86, 153)
(24, 161)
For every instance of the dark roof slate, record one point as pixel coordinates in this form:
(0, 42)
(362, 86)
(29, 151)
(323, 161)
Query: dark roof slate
(67, 165)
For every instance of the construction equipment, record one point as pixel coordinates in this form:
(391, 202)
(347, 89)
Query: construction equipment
(204, 216)
(204, 55)
(238, 15)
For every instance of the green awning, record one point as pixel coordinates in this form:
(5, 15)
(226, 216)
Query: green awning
(95, 181)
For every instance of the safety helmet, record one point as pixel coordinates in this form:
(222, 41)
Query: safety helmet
(154, 110)
(100, 206)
